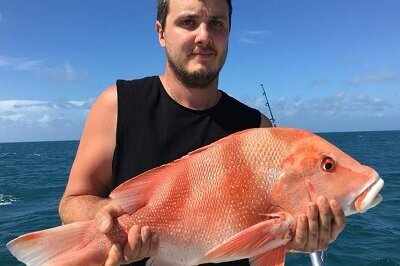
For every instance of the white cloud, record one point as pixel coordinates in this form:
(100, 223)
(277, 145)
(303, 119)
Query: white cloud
(253, 37)
(12, 117)
(336, 105)
(4, 61)
(28, 65)
(247, 40)
(41, 106)
(337, 112)
(22, 106)
(377, 77)
(259, 33)
(373, 104)
(44, 120)
(20, 64)
(65, 72)
(20, 120)
(319, 82)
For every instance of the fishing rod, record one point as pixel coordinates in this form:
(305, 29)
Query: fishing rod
(269, 107)
(318, 258)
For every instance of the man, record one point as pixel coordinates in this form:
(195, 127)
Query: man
(137, 125)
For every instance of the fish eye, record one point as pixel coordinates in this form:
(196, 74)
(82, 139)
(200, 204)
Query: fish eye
(328, 164)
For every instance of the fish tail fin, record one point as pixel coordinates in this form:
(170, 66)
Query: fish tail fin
(63, 245)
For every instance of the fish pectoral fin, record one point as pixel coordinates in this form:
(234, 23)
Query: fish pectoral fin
(273, 257)
(136, 192)
(255, 240)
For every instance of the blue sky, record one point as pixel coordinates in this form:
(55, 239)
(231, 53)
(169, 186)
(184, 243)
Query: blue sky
(326, 65)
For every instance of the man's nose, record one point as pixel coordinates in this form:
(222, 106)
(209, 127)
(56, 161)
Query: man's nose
(203, 35)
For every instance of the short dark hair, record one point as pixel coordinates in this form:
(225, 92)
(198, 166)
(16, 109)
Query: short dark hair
(162, 12)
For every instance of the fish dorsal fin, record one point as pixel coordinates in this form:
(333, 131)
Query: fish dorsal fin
(254, 240)
(136, 192)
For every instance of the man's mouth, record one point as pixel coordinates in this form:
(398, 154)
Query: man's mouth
(205, 51)
(203, 54)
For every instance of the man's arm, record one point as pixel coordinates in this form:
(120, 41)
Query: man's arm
(322, 223)
(88, 184)
(86, 194)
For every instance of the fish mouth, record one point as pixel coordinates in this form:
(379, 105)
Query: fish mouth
(370, 197)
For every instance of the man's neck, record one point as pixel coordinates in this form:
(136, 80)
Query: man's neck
(192, 98)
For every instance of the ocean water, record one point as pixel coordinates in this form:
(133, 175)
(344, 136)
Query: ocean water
(33, 177)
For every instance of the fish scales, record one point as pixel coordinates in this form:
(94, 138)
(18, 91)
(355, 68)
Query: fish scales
(234, 203)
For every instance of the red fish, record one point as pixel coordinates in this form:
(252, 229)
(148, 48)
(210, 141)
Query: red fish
(236, 198)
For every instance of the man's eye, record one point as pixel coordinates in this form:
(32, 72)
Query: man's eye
(216, 23)
(187, 22)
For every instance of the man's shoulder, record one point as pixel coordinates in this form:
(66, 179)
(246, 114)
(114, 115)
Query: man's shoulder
(236, 115)
(139, 82)
(241, 109)
(234, 103)
(137, 88)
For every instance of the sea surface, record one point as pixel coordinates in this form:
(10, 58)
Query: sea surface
(33, 177)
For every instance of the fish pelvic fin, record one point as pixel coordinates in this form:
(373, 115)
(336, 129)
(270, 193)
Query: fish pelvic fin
(62, 245)
(275, 257)
(255, 240)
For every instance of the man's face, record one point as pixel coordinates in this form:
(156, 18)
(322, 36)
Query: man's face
(196, 39)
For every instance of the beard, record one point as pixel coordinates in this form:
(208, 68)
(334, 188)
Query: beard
(197, 78)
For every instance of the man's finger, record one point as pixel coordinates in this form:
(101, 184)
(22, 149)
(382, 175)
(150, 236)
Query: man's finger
(104, 217)
(104, 221)
(300, 238)
(114, 256)
(134, 244)
(325, 221)
(153, 245)
(339, 219)
(313, 230)
(146, 241)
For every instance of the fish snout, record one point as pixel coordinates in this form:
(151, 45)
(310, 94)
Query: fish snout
(369, 171)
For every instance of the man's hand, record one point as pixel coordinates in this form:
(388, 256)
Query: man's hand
(322, 224)
(141, 242)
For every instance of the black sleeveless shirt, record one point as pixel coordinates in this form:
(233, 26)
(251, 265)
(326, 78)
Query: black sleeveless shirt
(153, 129)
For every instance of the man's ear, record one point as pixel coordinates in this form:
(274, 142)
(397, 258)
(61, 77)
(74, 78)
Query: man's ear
(160, 32)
